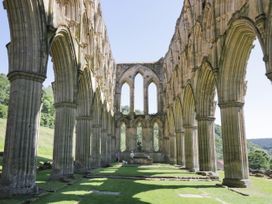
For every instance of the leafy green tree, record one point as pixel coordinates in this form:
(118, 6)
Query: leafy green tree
(48, 110)
(4, 89)
(259, 159)
(4, 95)
(3, 111)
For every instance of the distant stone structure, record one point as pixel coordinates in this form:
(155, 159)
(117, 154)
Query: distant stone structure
(208, 54)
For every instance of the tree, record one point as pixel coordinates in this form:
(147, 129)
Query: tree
(4, 89)
(259, 159)
(48, 110)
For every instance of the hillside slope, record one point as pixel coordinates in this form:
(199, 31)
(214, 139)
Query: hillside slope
(265, 143)
(45, 140)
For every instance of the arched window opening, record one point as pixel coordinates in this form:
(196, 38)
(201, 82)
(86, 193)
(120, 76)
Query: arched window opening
(123, 135)
(217, 130)
(152, 99)
(156, 136)
(139, 95)
(125, 99)
(139, 137)
(257, 107)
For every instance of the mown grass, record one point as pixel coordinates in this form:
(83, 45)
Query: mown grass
(157, 191)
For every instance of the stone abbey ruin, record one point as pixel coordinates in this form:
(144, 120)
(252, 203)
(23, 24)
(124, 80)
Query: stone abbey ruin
(207, 55)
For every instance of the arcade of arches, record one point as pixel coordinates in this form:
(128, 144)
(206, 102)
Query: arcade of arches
(207, 54)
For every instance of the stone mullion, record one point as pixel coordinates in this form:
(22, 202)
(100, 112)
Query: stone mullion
(63, 140)
(145, 99)
(132, 90)
(234, 145)
(83, 143)
(19, 163)
(191, 148)
(180, 147)
(206, 141)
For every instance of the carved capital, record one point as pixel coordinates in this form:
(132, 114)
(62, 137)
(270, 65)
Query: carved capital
(231, 104)
(269, 75)
(179, 131)
(97, 126)
(65, 104)
(26, 75)
(84, 118)
(205, 118)
(189, 126)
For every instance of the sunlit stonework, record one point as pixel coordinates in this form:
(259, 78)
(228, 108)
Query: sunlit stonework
(207, 54)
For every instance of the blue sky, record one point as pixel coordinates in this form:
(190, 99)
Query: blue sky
(141, 30)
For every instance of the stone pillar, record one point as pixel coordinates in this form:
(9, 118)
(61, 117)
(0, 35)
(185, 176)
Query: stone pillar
(104, 147)
(83, 143)
(206, 144)
(19, 163)
(173, 149)
(113, 148)
(166, 148)
(234, 145)
(117, 140)
(131, 138)
(191, 148)
(63, 162)
(147, 138)
(180, 147)
(96, 146)
(109, 151)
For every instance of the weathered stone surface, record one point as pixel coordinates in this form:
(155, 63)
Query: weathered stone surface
(208, 53)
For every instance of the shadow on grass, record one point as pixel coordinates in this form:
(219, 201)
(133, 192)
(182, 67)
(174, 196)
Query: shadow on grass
(131, 191)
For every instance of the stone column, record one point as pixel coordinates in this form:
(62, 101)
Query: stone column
(166, 148)
(191, 148)
(117, 140)
(131, 138)
(180, 147)
(96, 146)
(63, 162)
(206, 144)
(234, 145)
(83, 143)
(104, 147)
(173, 149)
(109, 151)
(113, 148)
(147, 138)
(19, 163)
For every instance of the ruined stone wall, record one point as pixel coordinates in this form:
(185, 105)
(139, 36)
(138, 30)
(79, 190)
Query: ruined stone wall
(152, 73)
(207, 54)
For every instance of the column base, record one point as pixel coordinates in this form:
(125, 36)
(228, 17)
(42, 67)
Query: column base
(173, 161)
(8, 191)
(236, 183)
(56, 175)
(193, 170)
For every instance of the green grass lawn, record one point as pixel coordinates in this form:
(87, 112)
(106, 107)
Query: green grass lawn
(147, 191)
